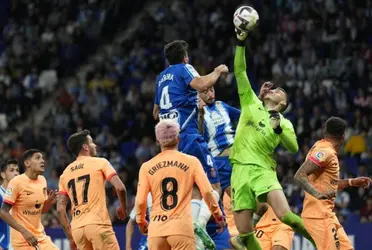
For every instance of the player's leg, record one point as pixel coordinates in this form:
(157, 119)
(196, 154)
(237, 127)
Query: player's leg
(324, 233)
(345, 243)
(267, 188)
(279, 204)
(102, 237)
(81, 241)
(243, 203)
(282, 238)
(224, 171)
(229, 216)
(159, 243)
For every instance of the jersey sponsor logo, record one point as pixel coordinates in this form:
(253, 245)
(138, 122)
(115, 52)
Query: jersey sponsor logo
(173, 115)
(319, 155)
(257, 128)
(9, 191)
(217, 118)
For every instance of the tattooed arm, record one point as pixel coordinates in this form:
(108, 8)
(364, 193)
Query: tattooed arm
(306, 169)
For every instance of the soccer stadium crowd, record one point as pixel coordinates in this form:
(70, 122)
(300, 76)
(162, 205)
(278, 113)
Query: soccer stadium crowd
(320, 51)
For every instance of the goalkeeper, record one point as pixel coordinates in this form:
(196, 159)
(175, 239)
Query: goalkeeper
(260, 130)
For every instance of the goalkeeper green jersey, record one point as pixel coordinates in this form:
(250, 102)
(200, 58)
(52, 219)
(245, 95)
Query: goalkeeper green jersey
(255, 140)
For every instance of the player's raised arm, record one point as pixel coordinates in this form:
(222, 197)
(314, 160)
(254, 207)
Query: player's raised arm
(207, 191)
(246, 93)
(202, 83)
(143, 190)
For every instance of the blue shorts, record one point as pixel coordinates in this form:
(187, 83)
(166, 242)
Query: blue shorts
(224, 171)
(143, 243)
(222, 240)
(195, 145)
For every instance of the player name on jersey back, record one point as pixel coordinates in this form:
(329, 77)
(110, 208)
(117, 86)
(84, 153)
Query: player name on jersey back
(169, 177)
(83, 181)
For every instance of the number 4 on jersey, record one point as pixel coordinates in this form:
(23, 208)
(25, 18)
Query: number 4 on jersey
(165, 99)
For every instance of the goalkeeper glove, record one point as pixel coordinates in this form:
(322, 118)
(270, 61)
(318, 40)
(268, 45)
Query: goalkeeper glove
(241, 35)
(275, 121)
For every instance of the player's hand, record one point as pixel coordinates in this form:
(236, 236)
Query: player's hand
(326, 195)
(265, 88)
(221, 222)
(52, 196)
(1, 248)
(30, 238)
(241, 35)
(143, 228)
(121, 213)
(222, 69)
(362, 182)
(275, 121)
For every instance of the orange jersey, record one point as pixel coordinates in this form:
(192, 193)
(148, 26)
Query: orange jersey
(324, 180)
(84, 183)
(27, 198)
(268, 219)
(229, 216)
(170, 177)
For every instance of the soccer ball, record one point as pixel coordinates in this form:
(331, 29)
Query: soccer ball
(245, 18)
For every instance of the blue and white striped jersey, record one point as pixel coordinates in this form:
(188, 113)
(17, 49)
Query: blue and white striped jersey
(218, 130)
(132, 214)
(4, 228)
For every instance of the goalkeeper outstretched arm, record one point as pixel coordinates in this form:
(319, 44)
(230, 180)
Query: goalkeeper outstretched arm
(246, 93)
(288, 138)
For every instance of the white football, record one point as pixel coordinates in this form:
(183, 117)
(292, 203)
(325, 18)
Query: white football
(245, 18)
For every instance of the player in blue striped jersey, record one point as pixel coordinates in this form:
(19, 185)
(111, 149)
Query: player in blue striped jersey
(176, 98)
(216, 120)
(8, 170)
(130, 227)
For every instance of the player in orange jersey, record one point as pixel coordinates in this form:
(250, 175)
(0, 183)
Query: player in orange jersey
(170, 177)
(271, 233)
(319, 177)
(83, 183)
(27, 198)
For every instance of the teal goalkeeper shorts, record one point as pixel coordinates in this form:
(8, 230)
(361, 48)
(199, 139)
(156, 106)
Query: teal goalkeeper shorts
(250, 183)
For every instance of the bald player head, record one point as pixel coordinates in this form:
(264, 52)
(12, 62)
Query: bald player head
(167, 134)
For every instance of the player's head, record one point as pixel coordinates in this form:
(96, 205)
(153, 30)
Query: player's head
(81, 143)
(176, 52)
(8, 170)
(335, 128)
(32, 160)
(167, 134)
(278, 97)
(208, 96)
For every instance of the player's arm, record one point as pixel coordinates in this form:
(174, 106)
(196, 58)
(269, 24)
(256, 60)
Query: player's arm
(62, 203)
(8, 218)
(363, 182)
(130, 230)
(120, 189)
(310, 166)
(288, 137)
(155, 112)
(156, 109)
(49, 203)
(202, 83)
(143, 190)
(207, 191)
(245, 91)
